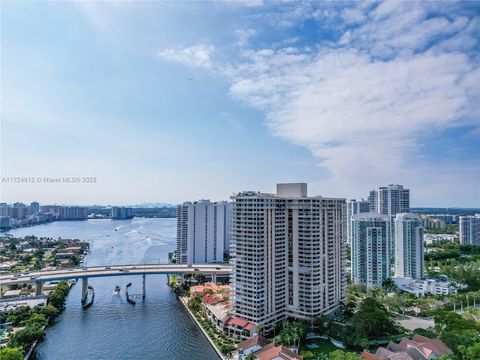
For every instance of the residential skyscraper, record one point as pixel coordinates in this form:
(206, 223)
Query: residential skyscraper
(373, 201)
(289, 252)
(470, 230)
(121, 213)
(408, 246)
(203, 231)
(34, 207)
(370, 248)
(355, 207)
(393, 199)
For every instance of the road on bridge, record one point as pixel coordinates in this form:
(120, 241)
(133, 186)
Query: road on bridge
(115, 270)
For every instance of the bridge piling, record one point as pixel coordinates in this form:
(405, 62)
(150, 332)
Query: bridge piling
(84, 289)
(144, 288)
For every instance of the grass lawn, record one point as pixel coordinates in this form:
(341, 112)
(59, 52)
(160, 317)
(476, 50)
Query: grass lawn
(324, 347)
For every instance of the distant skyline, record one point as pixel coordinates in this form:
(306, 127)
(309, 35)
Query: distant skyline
(178, 101)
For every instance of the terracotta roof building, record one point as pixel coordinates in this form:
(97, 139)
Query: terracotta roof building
(259, 347)
(419, 348)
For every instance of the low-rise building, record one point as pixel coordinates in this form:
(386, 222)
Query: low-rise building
(419, 348)
(262, 350)
(426, 286)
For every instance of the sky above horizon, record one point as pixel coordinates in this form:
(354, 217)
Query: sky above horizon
(179, 101)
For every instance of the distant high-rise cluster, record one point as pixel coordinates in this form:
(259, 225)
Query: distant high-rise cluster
(203, 231)
(121, 213)
(470, 230)
(288, 254)
(385, 239)
(19, 214)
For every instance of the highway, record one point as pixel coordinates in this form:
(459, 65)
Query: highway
(115, 270)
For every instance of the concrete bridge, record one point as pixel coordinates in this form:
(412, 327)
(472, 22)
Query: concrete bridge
(39, 277)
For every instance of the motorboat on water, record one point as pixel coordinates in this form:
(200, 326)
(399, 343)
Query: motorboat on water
(116, 291)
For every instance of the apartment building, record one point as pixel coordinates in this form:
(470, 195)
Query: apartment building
(370, 248)
(470, 230)
(203, 231)
(355, 207)
(288, 252)
(408, 246)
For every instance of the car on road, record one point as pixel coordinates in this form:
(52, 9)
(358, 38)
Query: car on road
(14, 277)
(33, 277)
(217, 268)
(196, 270)
(107, 267)
(84, 268)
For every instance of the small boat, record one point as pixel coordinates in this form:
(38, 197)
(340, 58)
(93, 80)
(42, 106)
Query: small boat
(116, 229)
(116, 291)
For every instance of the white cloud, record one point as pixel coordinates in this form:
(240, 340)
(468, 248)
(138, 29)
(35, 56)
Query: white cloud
(197, 55)
(364, 105)
(243, 36)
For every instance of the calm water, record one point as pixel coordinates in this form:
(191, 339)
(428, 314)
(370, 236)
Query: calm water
(111, 328)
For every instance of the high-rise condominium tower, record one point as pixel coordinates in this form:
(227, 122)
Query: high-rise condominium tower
(370, 248)
(408, 246)
(373, 201)
(393, 199)
(203, 231)
(288, 252)
(470, 230)
(355, 207)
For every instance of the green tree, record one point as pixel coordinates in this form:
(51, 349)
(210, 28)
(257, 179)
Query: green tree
(49, 311)
(9, 353)
(342, 355)
(372, 320)
(19, 315)
(37, 320)
(27, 336)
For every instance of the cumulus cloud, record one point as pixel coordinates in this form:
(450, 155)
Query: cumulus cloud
(363, 104)
(197, 55)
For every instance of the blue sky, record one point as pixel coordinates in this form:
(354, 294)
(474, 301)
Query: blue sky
(168, 101)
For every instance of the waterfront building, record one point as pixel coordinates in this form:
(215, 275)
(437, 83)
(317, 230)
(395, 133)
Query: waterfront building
(370, 248)
(121, 213)
(203, 231)
(34, 208)
(470, 230)
(4, 222)
(355, 207)
(408, 246)
(72, 213)
(288, 253)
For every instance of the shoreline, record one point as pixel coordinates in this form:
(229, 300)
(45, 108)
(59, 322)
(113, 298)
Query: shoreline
(219, 353)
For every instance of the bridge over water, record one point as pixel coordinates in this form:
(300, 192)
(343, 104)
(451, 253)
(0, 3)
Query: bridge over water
(40, 277)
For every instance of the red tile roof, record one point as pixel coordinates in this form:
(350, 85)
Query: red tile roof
(272, 351)
(237, 321)
(255, 340)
